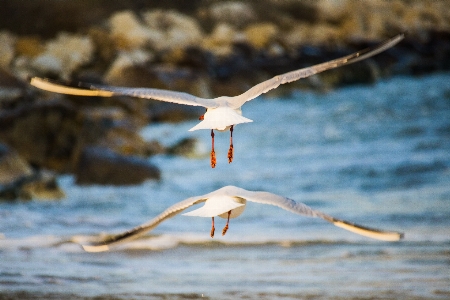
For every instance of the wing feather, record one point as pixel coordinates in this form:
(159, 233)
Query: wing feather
(144, 228)
(274, 82)
(85, 89)
(304, 210)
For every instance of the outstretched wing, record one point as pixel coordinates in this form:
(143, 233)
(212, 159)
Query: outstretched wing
(304, 210)
(273, 83)
(86, 89)
(146, 227)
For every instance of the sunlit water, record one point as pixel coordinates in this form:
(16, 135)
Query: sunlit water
(374, 155)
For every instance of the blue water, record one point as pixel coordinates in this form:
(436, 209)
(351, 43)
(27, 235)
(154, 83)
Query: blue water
(375, 155)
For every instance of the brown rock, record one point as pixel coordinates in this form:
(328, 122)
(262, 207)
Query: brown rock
(127, 141)
(186, 147)
(51, 133)
(43, 186)
(237, 13)
(119, 70)
(260, 35)
(7, 41)
(220, 41)
(64, 55)
(19, 181)
(128, 32)
(104, 45)
(44, 133)
(176, 30)
(12, 166)
(102, 166)
(30, 46)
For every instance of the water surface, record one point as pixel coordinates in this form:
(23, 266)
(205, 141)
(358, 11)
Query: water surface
(374, 155)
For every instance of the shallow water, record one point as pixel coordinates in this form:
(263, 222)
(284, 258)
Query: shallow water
(374, 155)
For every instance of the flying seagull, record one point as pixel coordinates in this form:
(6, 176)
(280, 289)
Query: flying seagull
(229, 202)
(222, 113)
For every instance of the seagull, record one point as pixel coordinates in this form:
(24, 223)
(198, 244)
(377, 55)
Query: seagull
(229, 202)
(222, 113)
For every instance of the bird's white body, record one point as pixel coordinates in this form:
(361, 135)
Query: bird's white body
(220, 206)
(221, 118)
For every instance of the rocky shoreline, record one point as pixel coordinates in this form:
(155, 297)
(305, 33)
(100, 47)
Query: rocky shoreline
(207, 48)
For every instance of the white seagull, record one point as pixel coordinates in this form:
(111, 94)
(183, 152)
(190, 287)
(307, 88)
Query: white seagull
(222, 113)
(229, 202)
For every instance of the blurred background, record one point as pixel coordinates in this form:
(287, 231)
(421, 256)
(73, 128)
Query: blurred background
(368, 142)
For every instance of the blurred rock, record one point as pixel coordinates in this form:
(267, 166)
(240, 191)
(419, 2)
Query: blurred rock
(179, 30)
(128, 32)
(44, 133)
(19, 181)
(125, 60)
(30, 46)
(51, 134)
(105, 46)
(162, 30)
(261, 34)
(12, 166)
(187, 147)
(126, 141)
(12, 90)
(112, 128)
(153, 147)
(236, 13)
(64, 55)
(42, 186)
(9, 95)
(333, 11)
(7, 41)
(102, 166)
(220, 41)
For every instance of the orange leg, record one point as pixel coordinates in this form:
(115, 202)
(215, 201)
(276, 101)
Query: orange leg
(212, 228)
(231, 150)
(226, 226)
(213, 153)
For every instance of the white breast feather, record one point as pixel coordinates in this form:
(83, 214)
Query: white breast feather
(216, 206)
(220, 118)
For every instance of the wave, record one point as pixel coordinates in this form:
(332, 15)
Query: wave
(172, 241)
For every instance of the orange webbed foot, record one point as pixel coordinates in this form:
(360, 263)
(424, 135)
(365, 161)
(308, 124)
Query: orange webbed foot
(230, 153)
(231, 149)
(225, 229)
(213, 159)
(213, 153)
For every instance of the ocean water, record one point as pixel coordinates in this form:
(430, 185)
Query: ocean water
(377, 155)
